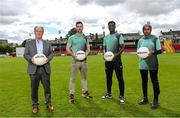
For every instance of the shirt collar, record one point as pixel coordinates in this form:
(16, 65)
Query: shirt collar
(38, 41)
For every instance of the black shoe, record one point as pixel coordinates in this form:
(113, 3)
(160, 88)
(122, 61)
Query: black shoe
(144, 101)
(107, 96)
(155, 104)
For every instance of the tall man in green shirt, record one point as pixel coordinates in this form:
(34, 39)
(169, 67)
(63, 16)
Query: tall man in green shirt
(76, 43)
(114, 42)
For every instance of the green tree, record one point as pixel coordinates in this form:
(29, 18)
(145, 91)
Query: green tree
(2, 49)
(96, 36)
(23, 43)
(6, 48)
(71, 32)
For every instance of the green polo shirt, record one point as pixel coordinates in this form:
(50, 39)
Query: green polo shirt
(111, 43)
(152, 43)
(78, 42)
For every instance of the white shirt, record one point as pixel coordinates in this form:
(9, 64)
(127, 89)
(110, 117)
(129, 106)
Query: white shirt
(39, 45)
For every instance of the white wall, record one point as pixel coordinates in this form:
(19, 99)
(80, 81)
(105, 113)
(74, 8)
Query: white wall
(20, 51)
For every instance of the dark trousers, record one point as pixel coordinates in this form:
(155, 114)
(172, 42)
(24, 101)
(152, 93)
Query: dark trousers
(117, 66)
(42, 76)
(154, 80)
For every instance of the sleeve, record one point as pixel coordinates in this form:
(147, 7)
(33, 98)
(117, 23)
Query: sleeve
(26, 52)
(158, 44)
(104, 42)
(87, 41)
(70, 40)
(121, 40)
(50, 56)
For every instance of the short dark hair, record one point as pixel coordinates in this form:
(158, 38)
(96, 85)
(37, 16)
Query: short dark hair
(147, 25)
(79, 22)
(111, 22)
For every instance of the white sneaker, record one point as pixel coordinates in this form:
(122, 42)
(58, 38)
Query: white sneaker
(121, 100)
(86, 95)
(107, 96)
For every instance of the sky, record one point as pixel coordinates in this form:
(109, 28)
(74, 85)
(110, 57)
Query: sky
(19, 17)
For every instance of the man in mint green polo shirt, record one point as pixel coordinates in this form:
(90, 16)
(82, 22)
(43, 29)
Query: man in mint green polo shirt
(149, 64)
(114, 42)
(76, 43)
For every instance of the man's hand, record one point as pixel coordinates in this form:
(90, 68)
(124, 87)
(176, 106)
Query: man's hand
(47, 60)
(32, 60)
(87, 52)
(73, 55)
(115, 55)
(103, 56)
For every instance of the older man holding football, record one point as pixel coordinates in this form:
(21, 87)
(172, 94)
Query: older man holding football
(38, 72)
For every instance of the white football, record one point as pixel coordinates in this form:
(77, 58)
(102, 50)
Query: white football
(80, 55)
(39, 59)
(143, 52)
(108, 56)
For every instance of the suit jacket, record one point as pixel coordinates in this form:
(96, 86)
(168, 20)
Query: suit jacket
(31, 50)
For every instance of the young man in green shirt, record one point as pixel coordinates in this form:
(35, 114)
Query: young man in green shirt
(114, 42)
(76, 43)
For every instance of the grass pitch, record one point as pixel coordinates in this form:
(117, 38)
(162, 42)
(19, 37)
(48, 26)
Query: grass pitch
(15, 97)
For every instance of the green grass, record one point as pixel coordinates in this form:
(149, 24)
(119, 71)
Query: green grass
(15, 89)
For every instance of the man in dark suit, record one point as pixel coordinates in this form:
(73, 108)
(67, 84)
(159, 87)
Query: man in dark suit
(39, 73)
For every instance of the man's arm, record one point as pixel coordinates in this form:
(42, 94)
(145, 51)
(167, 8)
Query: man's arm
(104, 50)
(26, 53)
(50, 56)
(88, 49)
(122, 47)
(69, 51)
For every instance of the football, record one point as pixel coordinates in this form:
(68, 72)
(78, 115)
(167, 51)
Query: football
(143, 52)
(39, 59)
(108, 56)
(80, 55)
